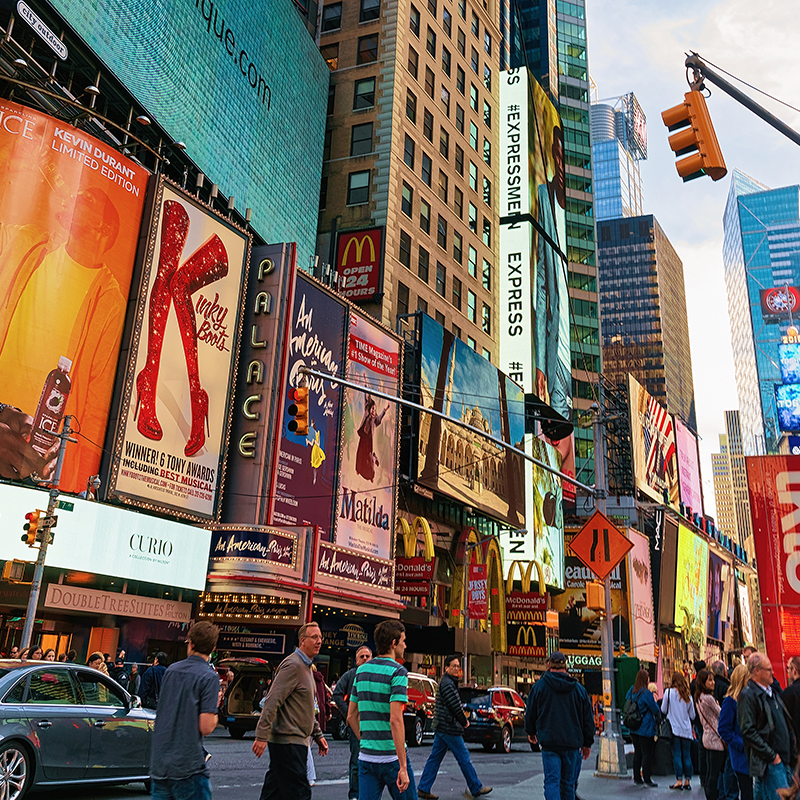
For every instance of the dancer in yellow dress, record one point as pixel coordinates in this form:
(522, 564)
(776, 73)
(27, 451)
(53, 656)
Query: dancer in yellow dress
(317, 453)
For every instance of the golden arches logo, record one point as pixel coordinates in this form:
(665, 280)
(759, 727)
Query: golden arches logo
(359, 245)
(409, 533)
(526, 635)
(525, 576)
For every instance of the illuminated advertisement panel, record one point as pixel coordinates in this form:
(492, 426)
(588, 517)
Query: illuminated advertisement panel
(746, 613)
(688, 467)
(653, 444)
(70, 214)
(359, 261)
(173, 431)
(716, 587)
(368, 461)
(779, 302)
(787, 398)
(242, 84)
(640, 583)
(789, 358)
(774, 487)
(691, 576)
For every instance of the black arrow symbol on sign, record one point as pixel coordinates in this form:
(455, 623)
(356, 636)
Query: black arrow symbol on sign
(606, 546)
(594, 545)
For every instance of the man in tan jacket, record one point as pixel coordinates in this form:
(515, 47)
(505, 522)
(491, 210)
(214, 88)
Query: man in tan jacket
(288, 719)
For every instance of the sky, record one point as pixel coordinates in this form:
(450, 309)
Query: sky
(640, 46)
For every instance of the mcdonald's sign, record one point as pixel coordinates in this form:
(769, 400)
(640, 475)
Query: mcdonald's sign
(359, 261)
(527, 640)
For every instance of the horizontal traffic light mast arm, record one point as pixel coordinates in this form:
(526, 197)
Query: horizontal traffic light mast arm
(694, 62)
(409, 404)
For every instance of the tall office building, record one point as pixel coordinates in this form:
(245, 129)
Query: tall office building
(723, 489)
(643, 307)
(619, 143)
(411, 149)
(549, 38)
(761, 254)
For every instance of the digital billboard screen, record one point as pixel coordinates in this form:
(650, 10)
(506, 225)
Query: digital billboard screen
(789, 358)
(688, 467)
(787, 399)
(690, 587)
(242, 84)
(640, 583)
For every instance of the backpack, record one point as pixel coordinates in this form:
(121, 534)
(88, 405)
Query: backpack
(632, 714)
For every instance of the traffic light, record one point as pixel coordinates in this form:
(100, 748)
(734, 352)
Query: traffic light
(698, 139)
(31, 527)
(299, 410)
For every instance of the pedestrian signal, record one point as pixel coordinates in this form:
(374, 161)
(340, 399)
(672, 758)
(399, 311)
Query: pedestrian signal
(299, 410)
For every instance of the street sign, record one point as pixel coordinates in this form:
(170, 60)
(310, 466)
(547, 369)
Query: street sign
(600, 545)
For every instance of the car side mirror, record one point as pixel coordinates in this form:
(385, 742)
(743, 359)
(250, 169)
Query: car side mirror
(135, 701)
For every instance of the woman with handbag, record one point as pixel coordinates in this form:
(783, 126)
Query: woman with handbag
(708, 711)
(679, 710)
(732, 736)
(644, 737)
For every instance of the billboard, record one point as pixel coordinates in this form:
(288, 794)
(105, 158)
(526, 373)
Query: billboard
(789, 358)
(304, 481)
(70, 214)
(787, 398)
(779, 303)
(691, 578)
(653, 445)
(173, 430)
(717, 575)
(368, 460)
(247, 98)
(746, 613)
(640, 582)
(774, 488)
(359, 264)
(688, 467)
(453, 460)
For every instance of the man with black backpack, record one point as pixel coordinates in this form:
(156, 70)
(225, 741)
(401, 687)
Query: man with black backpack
(150, 686)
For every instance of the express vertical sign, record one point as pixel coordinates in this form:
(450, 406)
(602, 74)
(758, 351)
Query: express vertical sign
(359, 264)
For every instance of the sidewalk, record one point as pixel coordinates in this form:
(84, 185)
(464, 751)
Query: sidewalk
(592, 788)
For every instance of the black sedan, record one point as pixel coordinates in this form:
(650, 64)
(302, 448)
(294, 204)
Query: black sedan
(496, 717)
(64, 724)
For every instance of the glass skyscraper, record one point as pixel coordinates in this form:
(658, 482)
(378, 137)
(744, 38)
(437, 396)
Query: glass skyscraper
(761, 254)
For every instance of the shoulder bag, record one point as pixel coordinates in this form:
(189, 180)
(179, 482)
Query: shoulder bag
(665, 728)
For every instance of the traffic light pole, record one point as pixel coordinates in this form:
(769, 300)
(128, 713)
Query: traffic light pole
(38, 573)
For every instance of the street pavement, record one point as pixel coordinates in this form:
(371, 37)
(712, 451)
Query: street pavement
(236, 774)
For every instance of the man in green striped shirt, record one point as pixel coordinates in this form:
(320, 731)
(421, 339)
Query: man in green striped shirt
(377, 703)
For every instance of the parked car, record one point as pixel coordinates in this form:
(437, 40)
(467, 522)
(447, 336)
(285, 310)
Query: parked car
(66, 723)
(241, 705)
(496, 717)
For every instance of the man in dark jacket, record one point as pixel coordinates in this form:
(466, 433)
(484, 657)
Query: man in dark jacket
(766, 729)
(721, 682)
(727, 786)
(559, 718)
(150, 686)
(341, 696)
(449, 724)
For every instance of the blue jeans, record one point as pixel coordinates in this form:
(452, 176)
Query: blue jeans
(198, 787)
(352, 772)
(682, 757)
(561, 770)
(728, 786)
(443, 742)
(372, 778)
(776, 776)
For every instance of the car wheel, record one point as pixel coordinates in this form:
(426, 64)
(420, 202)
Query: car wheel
(504, 745)
(340, 731)
(237, 733)
(16, 771)
(418, 732)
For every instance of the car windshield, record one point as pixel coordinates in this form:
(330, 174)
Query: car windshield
(476, 697)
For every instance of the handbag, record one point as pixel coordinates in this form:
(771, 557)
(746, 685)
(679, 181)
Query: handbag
(665, 727)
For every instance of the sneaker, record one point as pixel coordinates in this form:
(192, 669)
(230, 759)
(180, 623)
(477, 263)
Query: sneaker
(427, 795)
(651, 784)
(482, 791)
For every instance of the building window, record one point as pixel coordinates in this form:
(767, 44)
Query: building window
(487, 42)
(473, 135)
(331, 99)
(414, 21)
(430, 85)
(458, 202)
(459, 159)
(358, 188)
(459, 119)
(326, 145)
(427, 125)
(441, 279)
(408, 151)
(431, 42)
(445, 99)
(475, 25)
(330, 52)
(458, 248)
(446, 61)
(473, 261)
(367, 49)
(472, 343)
(487, 355)
(402, 299)
(472, 306)
(462, 43)
(427, 169)
(447, 22)
(408, 201)
(460, 79)
(487, 115)
(487, 77)
(487, 232)
(370, 10)
(323, 194)
(444, 143)
(473, 176)
(473, 218)
(487, 191)
(473, 96)
(487, 275)
(456, 331)
(442, 186)
(361, 139)
(486, 320)
(413, 62)
(422, 305)
(331, 17)
(405, 249)
(411, 106)
(440, 318)
(423, 266)
(364, 93)
(432, 7)
(487, 152)
(462, 8)
(425, 216)
(473, 60)
(457, 293)
(441, 233)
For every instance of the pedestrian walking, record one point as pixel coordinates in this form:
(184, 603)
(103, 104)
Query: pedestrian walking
(644, 737)
(150, 684)
(708, 711)
(730, 734)
(727, 787)
(449, 722)
(378, 698)
(341, 697)
(791, 695)
(698, 726)
(678, 707)
(187, 711)
(766, 729)
(287, 721)
(559, 719)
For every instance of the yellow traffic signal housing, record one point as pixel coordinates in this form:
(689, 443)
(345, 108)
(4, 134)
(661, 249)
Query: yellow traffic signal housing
(595, 596)
(31, 527)
(299, 410)
(698, 138)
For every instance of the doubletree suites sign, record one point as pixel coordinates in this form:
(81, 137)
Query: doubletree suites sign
(248, 607)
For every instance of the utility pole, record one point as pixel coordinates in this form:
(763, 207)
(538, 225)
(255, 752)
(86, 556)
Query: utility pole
(38, 573)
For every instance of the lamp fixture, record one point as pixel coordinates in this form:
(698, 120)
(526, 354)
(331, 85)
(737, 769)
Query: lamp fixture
(92, 90)
(179, 145)
(200, 180)
(20, 63)
(214, 191)
(231, 203)
(248, 215)
(143, 119)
